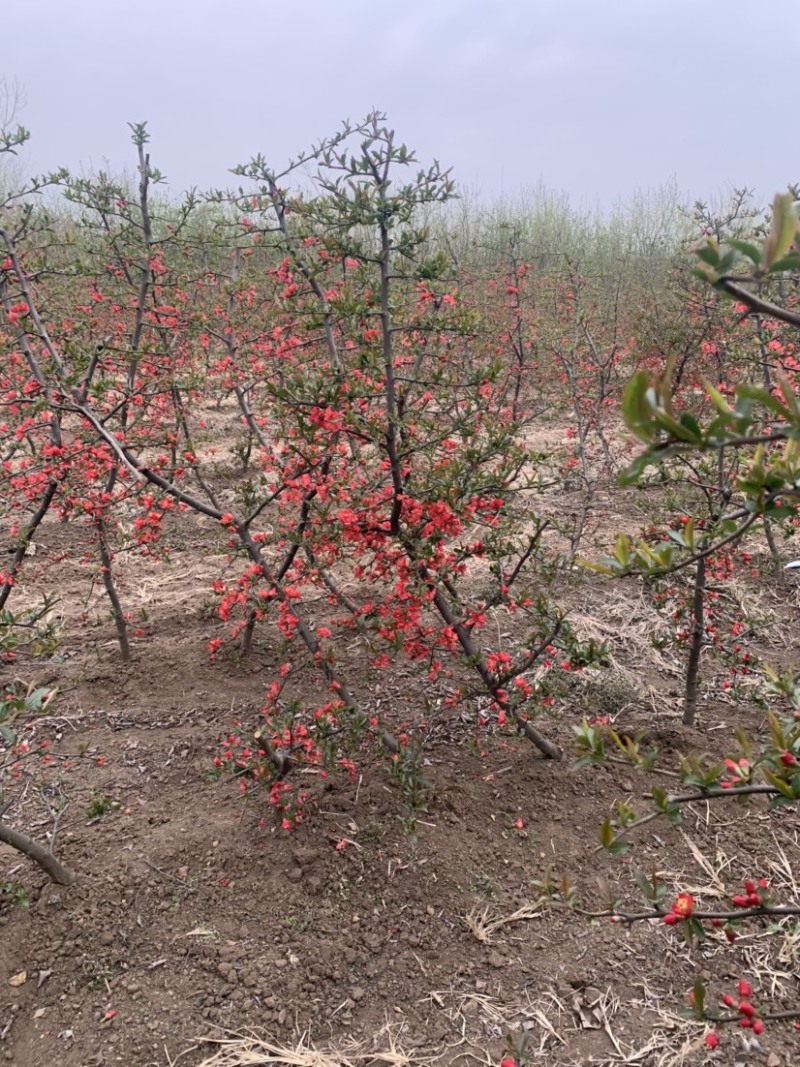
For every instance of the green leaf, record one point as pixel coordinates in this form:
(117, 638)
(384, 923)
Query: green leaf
(35, 700)
(690, 422)
(609, 567)
(661, 555)
(753, 392)
(706, 274)
(587, 761)
(777, 783)
(606, 834)
(633, 471)
(786, 263)
(677, 429)
(622, 550)
(782, 230)
(718, 399)
(726, 262)
(753, 252)
(645, 885)
(788, 394)
(694, 928)
(709, 252)
(636, 410)
(699, 998)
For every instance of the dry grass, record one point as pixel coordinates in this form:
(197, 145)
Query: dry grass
(543, 1021)
(250, 1050)
(484, 924)
(630, 624)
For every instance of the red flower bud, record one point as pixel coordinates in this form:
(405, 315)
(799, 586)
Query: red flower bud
(746, 1008)
(711, 1039)
(744, 988)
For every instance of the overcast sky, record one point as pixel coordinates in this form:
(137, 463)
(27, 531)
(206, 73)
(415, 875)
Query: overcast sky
(599, 98)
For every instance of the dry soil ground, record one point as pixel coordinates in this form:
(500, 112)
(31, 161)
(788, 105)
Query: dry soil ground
(197, 922)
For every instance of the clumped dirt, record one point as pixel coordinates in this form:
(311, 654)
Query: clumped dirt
(196, 920)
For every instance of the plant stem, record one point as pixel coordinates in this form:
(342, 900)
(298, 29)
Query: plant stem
(39, 854)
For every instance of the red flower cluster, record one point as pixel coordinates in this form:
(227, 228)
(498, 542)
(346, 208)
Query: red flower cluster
(748, 1016)
(754, 896)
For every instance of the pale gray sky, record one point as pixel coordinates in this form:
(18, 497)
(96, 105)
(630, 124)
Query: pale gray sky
(596, 97)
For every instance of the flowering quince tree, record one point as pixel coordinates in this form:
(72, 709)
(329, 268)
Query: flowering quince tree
(388, 435)
(96, 362)
(381, 436)
(755, 443)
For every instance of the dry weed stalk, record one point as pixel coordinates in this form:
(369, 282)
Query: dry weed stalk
(483, 924)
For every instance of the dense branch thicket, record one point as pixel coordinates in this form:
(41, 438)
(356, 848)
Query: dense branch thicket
(383, 353)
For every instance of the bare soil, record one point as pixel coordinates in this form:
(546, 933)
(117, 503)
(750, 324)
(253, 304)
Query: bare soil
(196, 921)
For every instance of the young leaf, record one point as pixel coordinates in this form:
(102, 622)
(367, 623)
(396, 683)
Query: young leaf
(709, 252)
(677, 429)
(718, 399)
(699, 998)
(778, 784)
(645, 884)
(789, 395)
(636, 410)
(606, 834)
(622, 550)
(782, 231)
